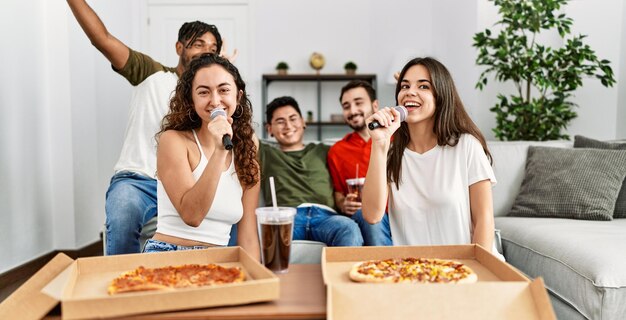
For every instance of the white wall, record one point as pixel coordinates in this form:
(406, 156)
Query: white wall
(342, 31)
(620, 73)
(597, 112)
(36, 147)
(452, 45)
(64, 111)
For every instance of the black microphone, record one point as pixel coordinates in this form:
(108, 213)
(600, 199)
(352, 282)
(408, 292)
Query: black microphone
(228, 144)
(403, 112)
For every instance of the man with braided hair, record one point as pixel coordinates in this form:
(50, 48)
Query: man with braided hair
(131, 199)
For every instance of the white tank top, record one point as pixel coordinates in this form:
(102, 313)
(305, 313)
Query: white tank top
(225, 210)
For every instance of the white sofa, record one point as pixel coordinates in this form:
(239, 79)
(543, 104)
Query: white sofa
(582, 262)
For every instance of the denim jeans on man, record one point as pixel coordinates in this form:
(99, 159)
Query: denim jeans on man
(319, 224)
(378, 234)
(130, 202)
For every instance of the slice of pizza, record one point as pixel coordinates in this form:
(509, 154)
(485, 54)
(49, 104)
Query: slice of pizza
(412, 270)
(172, 277)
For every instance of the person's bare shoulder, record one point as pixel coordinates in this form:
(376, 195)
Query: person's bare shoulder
(174, 141)
(174, 136)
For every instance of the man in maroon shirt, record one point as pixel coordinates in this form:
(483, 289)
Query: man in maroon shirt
(349, 159)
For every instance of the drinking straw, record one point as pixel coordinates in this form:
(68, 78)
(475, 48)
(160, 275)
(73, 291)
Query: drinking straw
(273, 191)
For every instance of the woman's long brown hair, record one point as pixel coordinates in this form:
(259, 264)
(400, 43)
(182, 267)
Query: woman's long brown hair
(451, 119)
(182, 116)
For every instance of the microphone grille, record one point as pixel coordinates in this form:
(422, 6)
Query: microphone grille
(217, 112)
(403, 112)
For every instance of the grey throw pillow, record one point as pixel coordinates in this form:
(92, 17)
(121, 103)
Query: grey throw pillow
(570, 183)
(584, 142)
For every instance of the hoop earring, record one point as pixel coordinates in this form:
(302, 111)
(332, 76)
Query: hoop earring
(240, 109)
(189, 115)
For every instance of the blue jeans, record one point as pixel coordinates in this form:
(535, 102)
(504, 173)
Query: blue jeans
(160, 246)
(232, 242)
(317, 224)
(378, 234)
(130, 202)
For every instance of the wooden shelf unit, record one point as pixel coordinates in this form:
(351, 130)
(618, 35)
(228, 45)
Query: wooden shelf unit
(318, 79)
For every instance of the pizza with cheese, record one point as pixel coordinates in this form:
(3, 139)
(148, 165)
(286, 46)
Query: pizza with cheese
(412, 270)
(172, 277)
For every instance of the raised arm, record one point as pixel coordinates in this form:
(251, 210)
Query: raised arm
(375, 189)
(112, 48)
(192, 199)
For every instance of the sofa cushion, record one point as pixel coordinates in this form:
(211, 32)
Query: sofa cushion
(509, 159)
(584, 142)
(582, 262)
(305, 251)
(570, 183)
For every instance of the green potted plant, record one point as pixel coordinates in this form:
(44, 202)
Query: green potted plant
(350, 68)
(544, 76)
(282, 67)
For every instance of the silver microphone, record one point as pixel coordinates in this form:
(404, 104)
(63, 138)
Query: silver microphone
(228, 144)
(403, 113)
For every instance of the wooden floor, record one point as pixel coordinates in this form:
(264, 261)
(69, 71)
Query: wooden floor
(14, 278)
(6, 291)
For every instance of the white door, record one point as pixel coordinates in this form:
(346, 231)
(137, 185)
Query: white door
(166, 17)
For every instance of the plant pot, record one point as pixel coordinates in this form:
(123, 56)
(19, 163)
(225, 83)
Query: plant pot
(350, 72)
(281, 72)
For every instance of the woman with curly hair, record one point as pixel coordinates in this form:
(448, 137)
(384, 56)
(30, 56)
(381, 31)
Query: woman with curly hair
(203, 188)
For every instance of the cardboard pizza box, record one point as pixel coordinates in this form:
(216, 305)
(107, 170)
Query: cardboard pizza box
(502, 292)
(28, 302)
(482, 300)
(81, 287)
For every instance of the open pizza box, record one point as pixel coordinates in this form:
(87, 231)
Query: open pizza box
(81, 285)
(502, 292)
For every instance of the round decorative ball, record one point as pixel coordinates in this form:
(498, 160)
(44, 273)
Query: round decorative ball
(317, 61)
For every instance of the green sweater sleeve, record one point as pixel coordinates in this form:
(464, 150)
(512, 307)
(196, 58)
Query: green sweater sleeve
(139, 67)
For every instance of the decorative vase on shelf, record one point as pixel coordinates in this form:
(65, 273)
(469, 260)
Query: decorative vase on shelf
(282, 67)
(350, 68)
(309, 116)
(317, 61)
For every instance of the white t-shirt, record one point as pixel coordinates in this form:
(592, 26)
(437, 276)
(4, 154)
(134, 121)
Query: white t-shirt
(432, 205)
(148, 105)
(154, 87)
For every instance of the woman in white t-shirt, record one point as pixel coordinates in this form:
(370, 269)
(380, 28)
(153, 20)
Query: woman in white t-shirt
(203, 188)
(436, 175)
